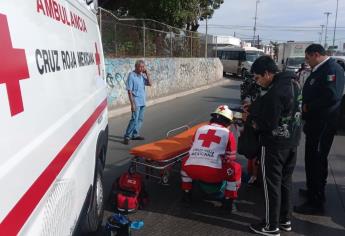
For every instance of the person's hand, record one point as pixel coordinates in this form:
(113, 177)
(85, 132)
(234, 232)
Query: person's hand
(133, 108)
(145, 71)
(245, 114)
(245, 106)
(305, 109)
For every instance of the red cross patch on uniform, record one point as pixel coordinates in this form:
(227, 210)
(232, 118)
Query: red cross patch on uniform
(229, 171)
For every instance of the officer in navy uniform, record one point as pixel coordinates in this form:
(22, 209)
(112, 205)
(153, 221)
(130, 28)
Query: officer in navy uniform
(322, 94)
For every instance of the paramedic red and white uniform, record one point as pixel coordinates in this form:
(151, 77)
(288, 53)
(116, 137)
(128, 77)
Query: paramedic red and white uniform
(212, 159)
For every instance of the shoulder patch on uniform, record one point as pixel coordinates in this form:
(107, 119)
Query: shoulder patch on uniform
(331, 78)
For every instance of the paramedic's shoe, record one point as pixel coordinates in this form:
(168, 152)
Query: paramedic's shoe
(138, 138)
(126, 141)
(264, 230)
(285, 226)
(229, 206)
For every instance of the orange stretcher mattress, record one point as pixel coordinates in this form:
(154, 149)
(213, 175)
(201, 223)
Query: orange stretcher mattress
(167, 148)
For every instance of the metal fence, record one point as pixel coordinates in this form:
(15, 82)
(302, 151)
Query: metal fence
(130, 37)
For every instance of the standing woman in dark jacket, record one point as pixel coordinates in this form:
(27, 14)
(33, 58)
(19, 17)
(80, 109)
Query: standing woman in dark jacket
(277, 120)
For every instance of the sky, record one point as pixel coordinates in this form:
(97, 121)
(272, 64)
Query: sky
(278, 20)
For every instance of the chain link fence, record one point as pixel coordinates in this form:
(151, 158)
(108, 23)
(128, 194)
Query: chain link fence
(148, 38)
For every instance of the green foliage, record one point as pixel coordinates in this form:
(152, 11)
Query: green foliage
(177, 13)
(275, 49)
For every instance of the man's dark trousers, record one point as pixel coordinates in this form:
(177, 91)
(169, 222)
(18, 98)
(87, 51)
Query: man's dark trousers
(319, 139)
(277, 168)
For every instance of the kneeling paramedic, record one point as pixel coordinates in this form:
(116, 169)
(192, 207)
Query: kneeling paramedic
(212, 157)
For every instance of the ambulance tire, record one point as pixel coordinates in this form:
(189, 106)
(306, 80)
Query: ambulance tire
(94, 216)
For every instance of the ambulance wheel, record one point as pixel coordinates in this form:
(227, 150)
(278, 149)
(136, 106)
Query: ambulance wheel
(94, 214)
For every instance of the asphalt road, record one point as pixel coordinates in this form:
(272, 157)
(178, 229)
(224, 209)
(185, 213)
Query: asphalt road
(165, 215)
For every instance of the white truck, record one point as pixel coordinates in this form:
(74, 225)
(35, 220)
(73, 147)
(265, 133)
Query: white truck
(53, 118)
(291, 55)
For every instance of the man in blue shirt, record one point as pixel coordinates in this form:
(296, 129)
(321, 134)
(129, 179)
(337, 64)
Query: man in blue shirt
(135, 85)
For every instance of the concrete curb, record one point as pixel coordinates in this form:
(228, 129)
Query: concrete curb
(123, 110)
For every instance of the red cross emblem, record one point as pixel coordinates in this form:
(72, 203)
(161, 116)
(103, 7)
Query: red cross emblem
(98, 60)
(209, 138)
(222, 108)
(230, 172)
(13, 68)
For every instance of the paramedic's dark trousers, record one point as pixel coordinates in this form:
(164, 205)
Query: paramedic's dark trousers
(277, 168)
(319, 139)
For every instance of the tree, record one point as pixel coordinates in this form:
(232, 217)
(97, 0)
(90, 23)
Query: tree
(177, 13)
(275, 49)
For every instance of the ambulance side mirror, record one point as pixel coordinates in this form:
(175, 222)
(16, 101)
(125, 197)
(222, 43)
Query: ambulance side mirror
(93, 5)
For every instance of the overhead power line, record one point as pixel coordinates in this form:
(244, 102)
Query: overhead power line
(271, 26)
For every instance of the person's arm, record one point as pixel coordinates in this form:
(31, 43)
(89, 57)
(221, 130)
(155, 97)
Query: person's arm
(130, 96)
(148, 80)
(129, 87)
(267, 119)
(231, 148)
(328, 96)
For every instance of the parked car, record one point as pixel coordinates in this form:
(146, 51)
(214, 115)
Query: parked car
(340, 60)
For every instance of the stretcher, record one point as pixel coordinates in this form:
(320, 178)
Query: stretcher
(158, 158)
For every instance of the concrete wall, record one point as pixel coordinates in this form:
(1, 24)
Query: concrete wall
(169, 75)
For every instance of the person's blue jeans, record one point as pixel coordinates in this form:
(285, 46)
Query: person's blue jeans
(135, 123)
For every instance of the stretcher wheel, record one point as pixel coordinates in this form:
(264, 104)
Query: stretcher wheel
(132, 169)
(165, 177)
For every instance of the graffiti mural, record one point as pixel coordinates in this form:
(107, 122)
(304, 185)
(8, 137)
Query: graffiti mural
(169, 75)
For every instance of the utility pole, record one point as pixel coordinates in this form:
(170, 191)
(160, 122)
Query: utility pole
(327, 15)
(322, 26)
(255, 18)
(335, 22)
(320, 37)
(206, 40)
(258, 44)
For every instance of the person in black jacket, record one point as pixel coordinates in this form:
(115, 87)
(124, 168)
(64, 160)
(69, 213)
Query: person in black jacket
(322, 94)
(276, 117)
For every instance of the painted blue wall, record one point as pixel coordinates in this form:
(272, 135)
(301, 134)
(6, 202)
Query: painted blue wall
(169, 75)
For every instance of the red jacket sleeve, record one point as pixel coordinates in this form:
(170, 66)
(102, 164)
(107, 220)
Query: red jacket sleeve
(231, 148)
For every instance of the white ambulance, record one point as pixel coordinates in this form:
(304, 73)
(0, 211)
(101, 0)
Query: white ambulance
(53, 118)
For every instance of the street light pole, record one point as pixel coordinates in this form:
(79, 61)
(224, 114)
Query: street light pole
(255, 18)
(327, 15)
(335, 23)
(206, 40)
(322, 26)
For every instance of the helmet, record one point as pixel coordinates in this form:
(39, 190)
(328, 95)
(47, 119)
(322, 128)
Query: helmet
(224, 111)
